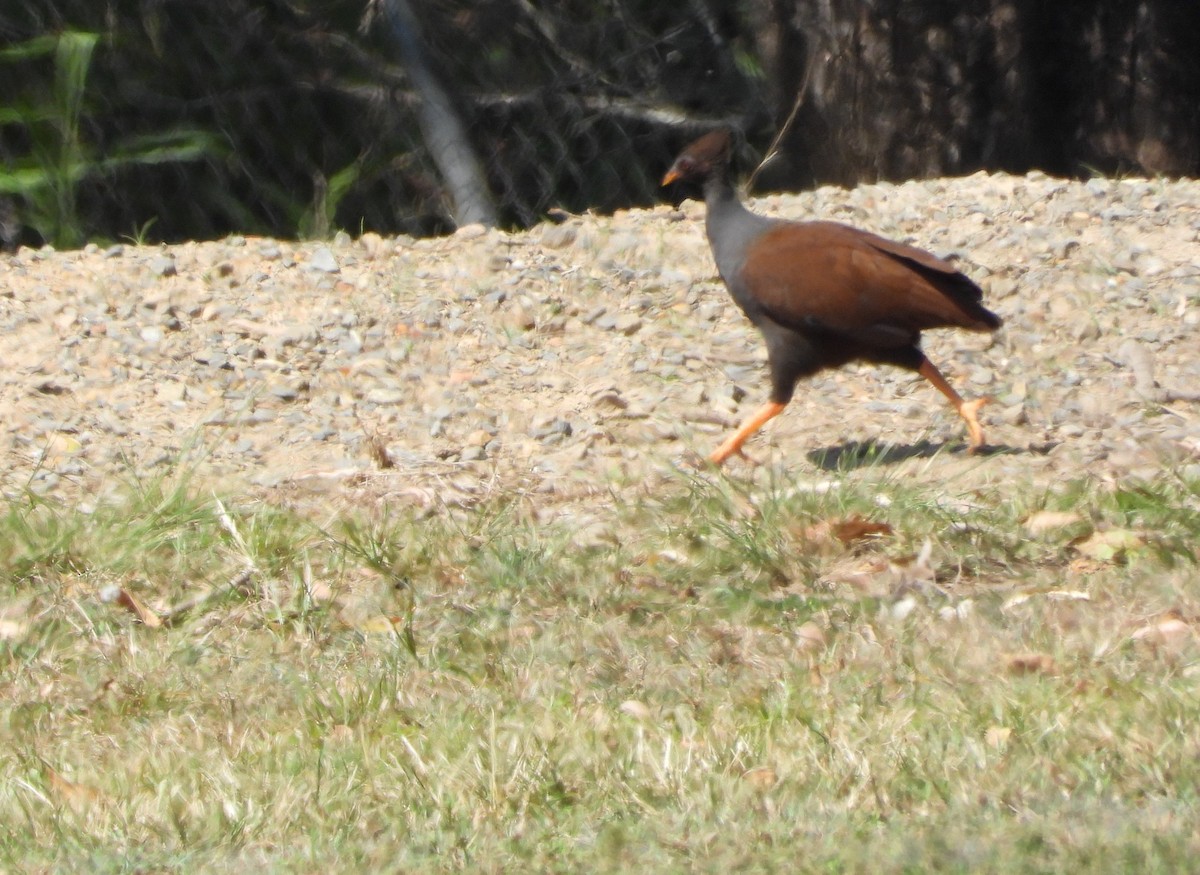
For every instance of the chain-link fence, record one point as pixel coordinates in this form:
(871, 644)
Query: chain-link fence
(171, 119)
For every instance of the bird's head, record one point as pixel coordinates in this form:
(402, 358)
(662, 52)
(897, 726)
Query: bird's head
(702, 159)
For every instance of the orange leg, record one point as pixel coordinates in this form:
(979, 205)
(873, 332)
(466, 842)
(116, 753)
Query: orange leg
(734, 443)
(968, 410)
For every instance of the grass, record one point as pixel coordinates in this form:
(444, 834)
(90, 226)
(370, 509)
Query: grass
(724, 686)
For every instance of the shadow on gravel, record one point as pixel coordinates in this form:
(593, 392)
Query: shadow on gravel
(863, 454)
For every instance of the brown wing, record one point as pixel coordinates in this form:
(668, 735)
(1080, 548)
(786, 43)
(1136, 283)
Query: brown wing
(831, 277)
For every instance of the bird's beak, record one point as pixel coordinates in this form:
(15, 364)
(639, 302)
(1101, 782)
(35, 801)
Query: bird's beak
(671, 176)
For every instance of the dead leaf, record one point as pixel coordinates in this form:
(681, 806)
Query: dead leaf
(12, 630)
(1032, 663)
(1059, 595)
(377, 624)
(635, 709)
(319, 591)
(402, 329)
(869, 576)
(1170, 631)
(131, 603)
(856, 528)
(997, 737)
(378, 452)
(761, 777)
(915, 572)
(844, 531)
(810, 638)
(1046, 520)
(80, 797)
(1109, 546)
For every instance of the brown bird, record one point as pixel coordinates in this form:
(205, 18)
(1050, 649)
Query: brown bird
(825, 294)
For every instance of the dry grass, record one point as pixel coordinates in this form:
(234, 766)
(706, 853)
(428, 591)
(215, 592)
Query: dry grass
(724, 684)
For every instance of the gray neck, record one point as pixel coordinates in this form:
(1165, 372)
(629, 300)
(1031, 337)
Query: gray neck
(729, 225)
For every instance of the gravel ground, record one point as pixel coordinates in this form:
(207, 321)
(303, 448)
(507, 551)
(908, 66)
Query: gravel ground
(573, 362)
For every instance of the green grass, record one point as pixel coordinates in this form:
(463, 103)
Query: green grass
(477, 691)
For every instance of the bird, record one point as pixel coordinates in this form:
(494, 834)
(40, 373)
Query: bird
(824, 294)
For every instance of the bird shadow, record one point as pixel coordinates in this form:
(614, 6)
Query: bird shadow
(862, 454)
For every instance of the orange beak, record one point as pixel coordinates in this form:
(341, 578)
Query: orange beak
(671, 176)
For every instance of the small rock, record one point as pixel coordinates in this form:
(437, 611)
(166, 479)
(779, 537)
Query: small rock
(610, 399)
(520, 319)
(387, 396)
(162, 265)
(627, 324)
(287, 391)
(558, 236)
(1000, 287)
(478, 438)
(1124, 262)
(323, 260)
(554, 430)
(211, 357)
(1014, 414)
(372, 244)
(733, 391)
(1150, 265)
(470, 232)
(593, 314)
(171, 392)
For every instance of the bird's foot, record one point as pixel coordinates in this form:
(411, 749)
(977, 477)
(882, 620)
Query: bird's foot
(749, 460)
(719, 456)
(969, 411)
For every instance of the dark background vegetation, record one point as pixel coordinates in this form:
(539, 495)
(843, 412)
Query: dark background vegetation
(299, 118)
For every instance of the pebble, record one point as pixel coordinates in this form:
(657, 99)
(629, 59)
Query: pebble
(286, 391)
(162, 265)
(470, 232)
(323, 260)
(559, 236)
(385, 396)
(555, 429)
(627, 324)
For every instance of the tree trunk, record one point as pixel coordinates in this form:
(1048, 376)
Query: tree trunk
(443, 129)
